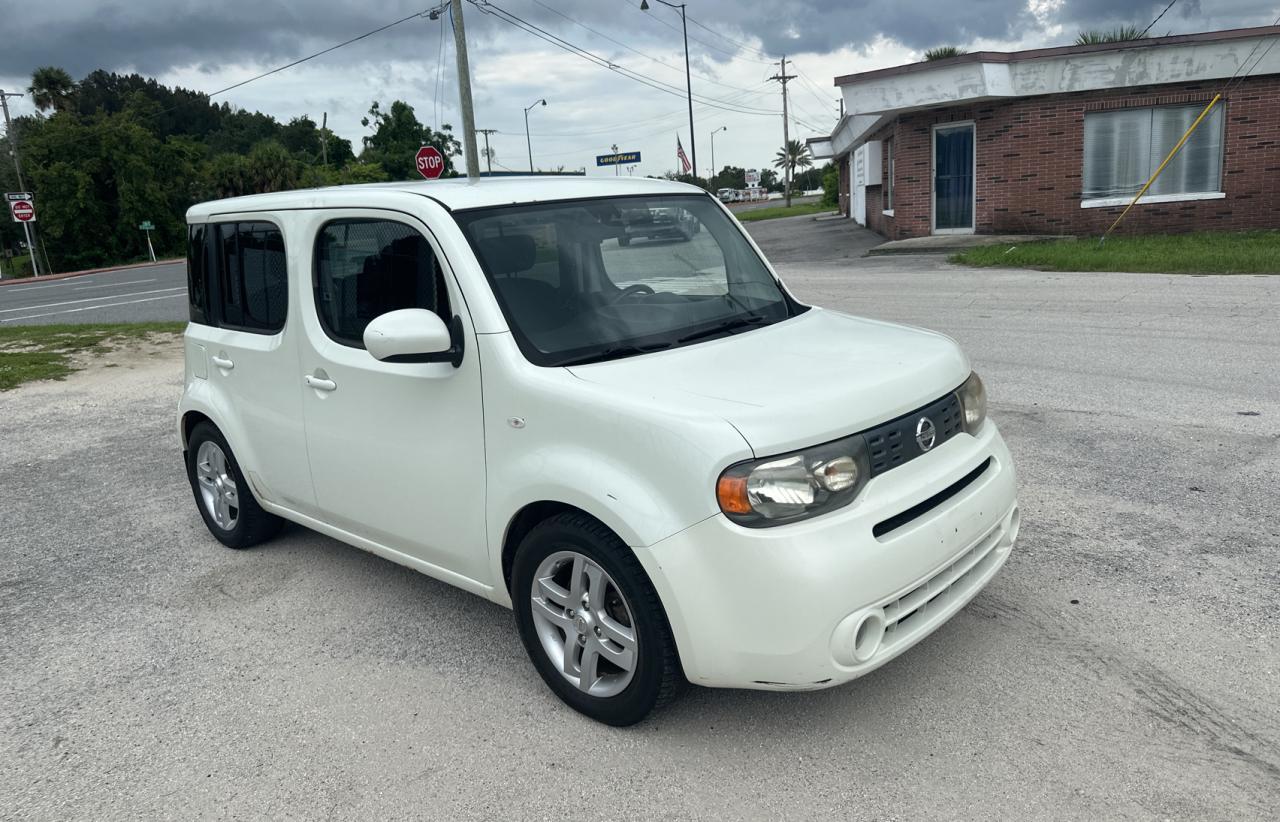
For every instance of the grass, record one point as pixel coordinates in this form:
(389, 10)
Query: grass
(798, 210)
(15, 267)
(45, 352)
(1206, 252)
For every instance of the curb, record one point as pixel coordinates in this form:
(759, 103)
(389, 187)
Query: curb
(66, 275)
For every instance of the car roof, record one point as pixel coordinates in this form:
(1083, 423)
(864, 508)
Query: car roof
(454, 194)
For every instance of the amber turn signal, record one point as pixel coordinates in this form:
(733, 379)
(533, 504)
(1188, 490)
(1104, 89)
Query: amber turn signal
(731, 493)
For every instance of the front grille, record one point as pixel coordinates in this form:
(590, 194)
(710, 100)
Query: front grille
(904, 616)
(894, 443)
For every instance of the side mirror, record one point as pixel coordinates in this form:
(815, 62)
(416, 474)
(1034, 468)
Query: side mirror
(414, 335)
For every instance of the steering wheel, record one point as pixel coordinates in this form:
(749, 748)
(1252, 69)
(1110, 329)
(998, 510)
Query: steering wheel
(631, 291)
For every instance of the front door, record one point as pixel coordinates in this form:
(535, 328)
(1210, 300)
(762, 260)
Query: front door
(953, 179)
(396, 449)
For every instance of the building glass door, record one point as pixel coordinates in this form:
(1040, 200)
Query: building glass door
(953, 179)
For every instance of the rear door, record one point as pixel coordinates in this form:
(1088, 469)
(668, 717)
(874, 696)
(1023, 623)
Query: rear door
(250, 355)
(396, 449)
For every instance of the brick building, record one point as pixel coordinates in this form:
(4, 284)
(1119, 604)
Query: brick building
(1058, 140)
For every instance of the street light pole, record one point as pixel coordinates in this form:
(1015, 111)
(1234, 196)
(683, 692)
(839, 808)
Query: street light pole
(713, 151)
(688, 77)
(527, 141)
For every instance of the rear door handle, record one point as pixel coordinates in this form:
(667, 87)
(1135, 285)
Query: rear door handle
(222, 362)
(320, 384)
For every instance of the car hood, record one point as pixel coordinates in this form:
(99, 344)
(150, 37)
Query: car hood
(806, 380)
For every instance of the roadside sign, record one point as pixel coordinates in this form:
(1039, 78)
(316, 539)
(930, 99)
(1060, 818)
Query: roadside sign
(147, 225)
(430, 162)
(22, 211)
(753, 178)
(19, 195)
(622, 158)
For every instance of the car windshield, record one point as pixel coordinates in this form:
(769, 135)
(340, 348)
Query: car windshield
(600, 279)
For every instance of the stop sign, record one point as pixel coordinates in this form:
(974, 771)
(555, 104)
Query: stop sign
(23, 211)
(430, 162)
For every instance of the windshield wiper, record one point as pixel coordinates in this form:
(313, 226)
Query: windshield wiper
(731, 324)
(611, 353)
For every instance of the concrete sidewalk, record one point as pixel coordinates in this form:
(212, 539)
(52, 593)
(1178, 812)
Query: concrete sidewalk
(946, 243)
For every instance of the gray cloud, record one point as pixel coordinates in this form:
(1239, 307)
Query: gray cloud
(154, 36)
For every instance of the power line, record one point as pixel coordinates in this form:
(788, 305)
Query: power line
(1157, 20)
(667, 88)
(733, 54)
(661, 62)
(320, 53)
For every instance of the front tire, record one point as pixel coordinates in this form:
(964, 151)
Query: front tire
(591, 621)
(226, 503)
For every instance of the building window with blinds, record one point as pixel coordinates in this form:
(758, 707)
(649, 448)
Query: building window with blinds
(1123, 148)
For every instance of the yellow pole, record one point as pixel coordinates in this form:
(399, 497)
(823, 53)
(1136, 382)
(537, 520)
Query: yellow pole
(1172, 152)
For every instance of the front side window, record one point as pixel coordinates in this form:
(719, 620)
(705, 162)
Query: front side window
(1122, 149)
(365, 268)
(599, 279)
(253, 278)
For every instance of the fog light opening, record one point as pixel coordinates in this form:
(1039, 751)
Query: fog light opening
(867, 636)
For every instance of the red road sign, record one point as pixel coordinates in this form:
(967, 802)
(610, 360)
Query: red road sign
(23, 211)
(430, 162)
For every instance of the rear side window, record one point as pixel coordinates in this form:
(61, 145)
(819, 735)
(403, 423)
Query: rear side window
(197, 283)
(253, 279)
(365, 268)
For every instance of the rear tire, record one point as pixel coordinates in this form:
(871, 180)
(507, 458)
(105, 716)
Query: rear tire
(223, 497)
(624, 241)
(574, 642)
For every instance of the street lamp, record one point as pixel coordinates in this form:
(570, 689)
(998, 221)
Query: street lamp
(688, 82)
(713, 149)
(527, 141)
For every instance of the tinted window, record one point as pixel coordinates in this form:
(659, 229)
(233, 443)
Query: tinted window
(365, 268)
(197, 285)
(252, 277)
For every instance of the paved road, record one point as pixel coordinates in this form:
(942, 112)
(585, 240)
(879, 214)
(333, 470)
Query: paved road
(1125, 664)
(150, 294)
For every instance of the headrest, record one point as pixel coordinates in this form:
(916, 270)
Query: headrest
(509, 254)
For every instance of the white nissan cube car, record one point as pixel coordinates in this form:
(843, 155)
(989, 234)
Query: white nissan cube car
(667, 465)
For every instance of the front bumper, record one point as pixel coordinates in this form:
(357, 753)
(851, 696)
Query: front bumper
(823, 601)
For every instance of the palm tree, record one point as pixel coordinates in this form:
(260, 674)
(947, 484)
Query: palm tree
(792, 156)
(1120, 34)
(51, 88)
(942, 53)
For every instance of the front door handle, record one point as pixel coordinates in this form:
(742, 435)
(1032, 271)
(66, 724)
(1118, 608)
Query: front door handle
(223, 362)
(320, 384)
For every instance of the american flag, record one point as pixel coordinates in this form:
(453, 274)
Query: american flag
(682, 157)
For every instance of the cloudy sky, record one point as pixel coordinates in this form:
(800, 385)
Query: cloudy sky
(733, 48)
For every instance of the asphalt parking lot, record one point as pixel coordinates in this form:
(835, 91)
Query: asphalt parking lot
(1124, 664)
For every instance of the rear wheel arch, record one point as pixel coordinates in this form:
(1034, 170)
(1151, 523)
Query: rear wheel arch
(190, 420)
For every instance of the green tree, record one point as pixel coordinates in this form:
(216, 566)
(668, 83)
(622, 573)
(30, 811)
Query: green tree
(397, 136)
(831, 185)
(52, 89)
(729, 177)
(793, 155)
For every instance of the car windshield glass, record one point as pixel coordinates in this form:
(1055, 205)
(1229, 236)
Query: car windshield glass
(599, 279)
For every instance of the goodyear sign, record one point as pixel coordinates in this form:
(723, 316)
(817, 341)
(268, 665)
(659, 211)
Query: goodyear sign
(622, 158)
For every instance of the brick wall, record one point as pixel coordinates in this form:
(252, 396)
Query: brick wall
(1030, 155)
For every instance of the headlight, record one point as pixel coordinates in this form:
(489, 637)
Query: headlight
(794, 486)
(973, 399)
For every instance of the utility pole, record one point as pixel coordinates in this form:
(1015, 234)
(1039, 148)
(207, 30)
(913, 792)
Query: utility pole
(488, 155)
(784, 78)
(616, 172)
(17, 164)
(464, 90)
(324, 139)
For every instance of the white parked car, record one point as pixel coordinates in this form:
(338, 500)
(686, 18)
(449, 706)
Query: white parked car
(670, 467)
